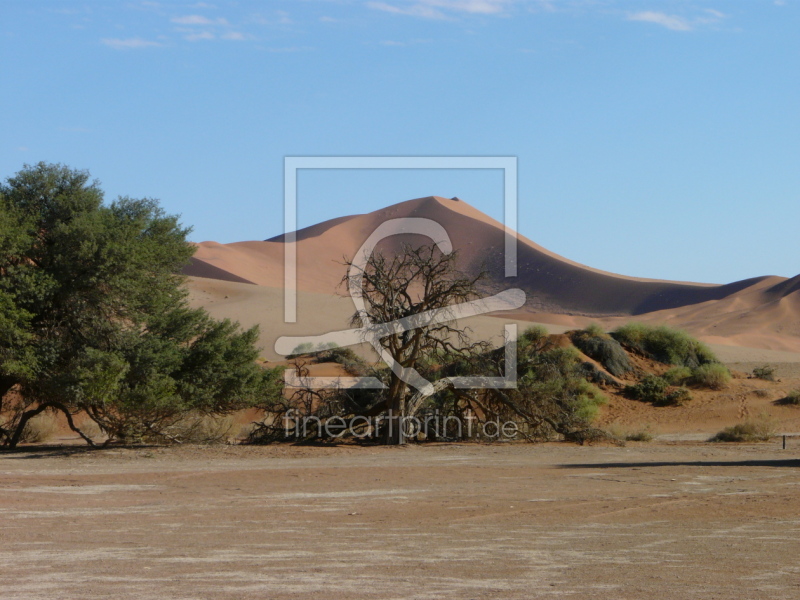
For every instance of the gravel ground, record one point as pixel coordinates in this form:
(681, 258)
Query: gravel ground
(433, 521)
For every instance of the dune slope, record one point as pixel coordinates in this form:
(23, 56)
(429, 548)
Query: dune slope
(553, 283)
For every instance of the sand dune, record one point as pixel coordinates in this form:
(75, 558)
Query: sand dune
(762, 312)
(323, 313)
(317, 313)
(200, 268)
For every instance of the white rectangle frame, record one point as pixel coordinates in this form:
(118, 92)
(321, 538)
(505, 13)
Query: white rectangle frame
(292, 164)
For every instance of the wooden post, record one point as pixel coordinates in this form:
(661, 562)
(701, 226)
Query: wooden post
(400, 423)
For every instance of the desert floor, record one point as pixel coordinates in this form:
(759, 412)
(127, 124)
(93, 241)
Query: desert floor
(461, 521)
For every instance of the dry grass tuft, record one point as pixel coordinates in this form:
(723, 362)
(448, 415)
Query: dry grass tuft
(759, 430)
(40, 428)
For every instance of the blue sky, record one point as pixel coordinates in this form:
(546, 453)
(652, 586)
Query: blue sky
(655, 138)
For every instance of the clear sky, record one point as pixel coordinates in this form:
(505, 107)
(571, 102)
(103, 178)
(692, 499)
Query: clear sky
(655, 138)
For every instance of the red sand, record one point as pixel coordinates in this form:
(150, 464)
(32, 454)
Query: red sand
(759, 313)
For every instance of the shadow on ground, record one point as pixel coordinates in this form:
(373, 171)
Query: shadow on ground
(795, 463)
(52, 451)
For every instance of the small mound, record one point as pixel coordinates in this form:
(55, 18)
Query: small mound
(605, 350)
(665, 344)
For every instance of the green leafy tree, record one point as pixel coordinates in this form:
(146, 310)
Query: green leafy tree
(94, 318)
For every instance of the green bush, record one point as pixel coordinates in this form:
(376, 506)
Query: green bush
(749, 431)
(352, 362)
(792, 398)
(596, 344)
(533, 339)
(651, 388)
(678, 375)
(665, 344)
(589, 400)
(715, 376)
(309, 348)
(595, 330)
(553, 399)
(677, 397)
(767, 373)
(656, 390)
(304, 348)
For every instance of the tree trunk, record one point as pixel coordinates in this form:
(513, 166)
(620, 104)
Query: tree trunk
(392, 435)
(29, 414)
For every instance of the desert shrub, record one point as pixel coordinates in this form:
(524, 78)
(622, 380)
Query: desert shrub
(589, 399)
(678, 375)
(202, 429)
(39, 428)
(605, 350)
(596, 375)
(651, 388)
(304, 348)
(595, 330)
(792, 398)
(715, 376)
(657, 390)
(677, 397)
(618, 432)
(642, 435)
(309, 348)
(533, 338)
(767, 373)
(552, 399)
(133, 402)
(352, 363)
(88, 427)
(760, 430)
(665, 344)
(331, 352)
(761, 393)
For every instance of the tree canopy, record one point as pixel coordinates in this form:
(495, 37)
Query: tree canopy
(94, 317)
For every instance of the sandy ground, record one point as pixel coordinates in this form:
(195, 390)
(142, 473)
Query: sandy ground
(710, 411)
(322, 313)
(433, 521)
(317, 314)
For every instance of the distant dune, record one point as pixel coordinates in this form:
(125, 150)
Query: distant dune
(763, 312)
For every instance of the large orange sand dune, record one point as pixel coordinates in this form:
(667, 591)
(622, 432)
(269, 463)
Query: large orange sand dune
(762, 312)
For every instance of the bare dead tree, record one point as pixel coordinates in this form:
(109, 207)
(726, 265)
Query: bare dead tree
(413, 281)
(407, 302)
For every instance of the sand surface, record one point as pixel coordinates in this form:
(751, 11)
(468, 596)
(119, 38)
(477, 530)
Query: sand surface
(445, 522)
(763, 312)
(319, 313)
